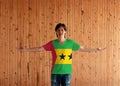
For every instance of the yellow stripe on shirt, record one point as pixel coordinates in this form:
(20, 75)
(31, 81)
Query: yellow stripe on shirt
(64, 56)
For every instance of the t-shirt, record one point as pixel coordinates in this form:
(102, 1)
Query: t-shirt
(61, 55)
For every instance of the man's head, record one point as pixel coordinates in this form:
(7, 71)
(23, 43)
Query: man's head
(60, 29)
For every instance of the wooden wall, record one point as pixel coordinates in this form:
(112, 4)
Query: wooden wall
(30, 23)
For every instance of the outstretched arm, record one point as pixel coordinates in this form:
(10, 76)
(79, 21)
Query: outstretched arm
(82, 49)
(32, 49)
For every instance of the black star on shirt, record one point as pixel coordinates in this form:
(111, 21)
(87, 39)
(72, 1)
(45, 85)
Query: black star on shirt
(70, 56)
(62, 56)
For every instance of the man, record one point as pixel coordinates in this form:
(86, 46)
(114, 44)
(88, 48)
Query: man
(61, 49)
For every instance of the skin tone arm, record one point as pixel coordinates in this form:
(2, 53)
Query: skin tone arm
(82, 49)
(32, 49)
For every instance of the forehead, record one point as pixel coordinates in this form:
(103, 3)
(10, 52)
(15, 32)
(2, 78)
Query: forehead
(61, 28)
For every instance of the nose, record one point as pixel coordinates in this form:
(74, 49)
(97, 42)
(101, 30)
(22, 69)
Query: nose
(59, 31)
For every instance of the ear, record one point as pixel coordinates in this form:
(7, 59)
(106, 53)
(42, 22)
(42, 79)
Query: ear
(56, 35)
(65, 34)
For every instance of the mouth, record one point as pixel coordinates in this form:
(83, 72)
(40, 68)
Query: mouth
(60, 34)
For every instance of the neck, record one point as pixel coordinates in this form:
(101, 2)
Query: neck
(61, 39)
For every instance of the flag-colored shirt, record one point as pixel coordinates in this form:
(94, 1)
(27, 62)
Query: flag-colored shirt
(61, 55)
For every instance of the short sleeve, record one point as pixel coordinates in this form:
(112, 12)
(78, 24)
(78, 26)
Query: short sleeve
(48, 46)
(76, 46)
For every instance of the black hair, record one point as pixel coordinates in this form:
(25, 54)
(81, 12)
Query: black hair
(60, 25)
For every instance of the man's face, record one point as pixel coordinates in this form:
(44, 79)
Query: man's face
(61, 32)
